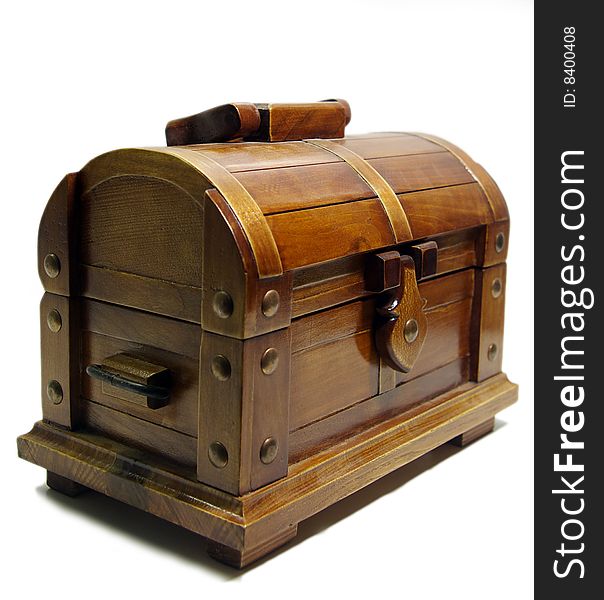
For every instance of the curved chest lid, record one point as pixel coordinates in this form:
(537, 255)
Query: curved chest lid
(302, 202)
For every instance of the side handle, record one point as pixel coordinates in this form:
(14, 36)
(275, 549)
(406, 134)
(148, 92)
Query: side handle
(133, 379)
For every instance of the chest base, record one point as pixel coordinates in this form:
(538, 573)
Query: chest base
(242, 529)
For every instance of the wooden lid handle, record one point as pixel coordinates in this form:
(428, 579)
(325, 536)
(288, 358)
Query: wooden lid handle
(261, 123)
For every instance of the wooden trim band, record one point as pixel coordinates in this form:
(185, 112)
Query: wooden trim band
(390, 203)
(252, 221)
(483, 179)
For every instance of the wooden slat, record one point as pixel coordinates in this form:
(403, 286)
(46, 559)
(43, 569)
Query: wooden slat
(152, 295)
(253, 156)
(492, 192)
(422, 171)
(140, 434)
(342, 425)
(330, 325)
(292, 188)
(432, 212)
(330, 377)
(376, 145)
(140, 328)
(321, 234)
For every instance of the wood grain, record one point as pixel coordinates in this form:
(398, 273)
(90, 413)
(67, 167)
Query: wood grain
(114, 236)
(382, 145)
(311, 120)
(332, 376)
(149, 438)
(492, 192)
(144, 293)
(305, 186)
(312, 236)
(320, 435)
(140, 328)
(452, 208)
(421, 171)
(256, 156)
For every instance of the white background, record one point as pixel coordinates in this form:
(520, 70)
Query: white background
(80, 78)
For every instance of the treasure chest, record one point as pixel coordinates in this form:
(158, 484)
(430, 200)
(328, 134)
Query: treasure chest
(255, 321)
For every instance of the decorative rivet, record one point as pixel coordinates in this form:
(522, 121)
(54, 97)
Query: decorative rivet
(268, 450)
(221, 367)
(54, 321)
(496, 287)
(54, 391)
(218, 455)
(269, 361)
(499, 241)
(52, 265)
(492, 352)
(223, 304)
(411, 331)
(270, 303)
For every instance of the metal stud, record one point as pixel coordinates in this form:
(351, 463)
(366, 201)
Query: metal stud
(52, 265)
(221, 367)
(54, 391)
(269, 361)
(223, 304)
(268, 450)
(270, 303)
(54, 321)
(218, 455)
(496, 287)
(499, 241)
(411, 331)
(492, 352)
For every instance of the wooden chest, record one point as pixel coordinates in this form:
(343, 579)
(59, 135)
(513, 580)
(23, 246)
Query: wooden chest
(248, 325)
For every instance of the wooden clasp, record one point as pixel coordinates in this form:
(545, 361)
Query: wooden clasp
(401, 324)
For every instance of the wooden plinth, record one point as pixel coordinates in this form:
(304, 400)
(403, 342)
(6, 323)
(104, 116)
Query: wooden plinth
(245, 528)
